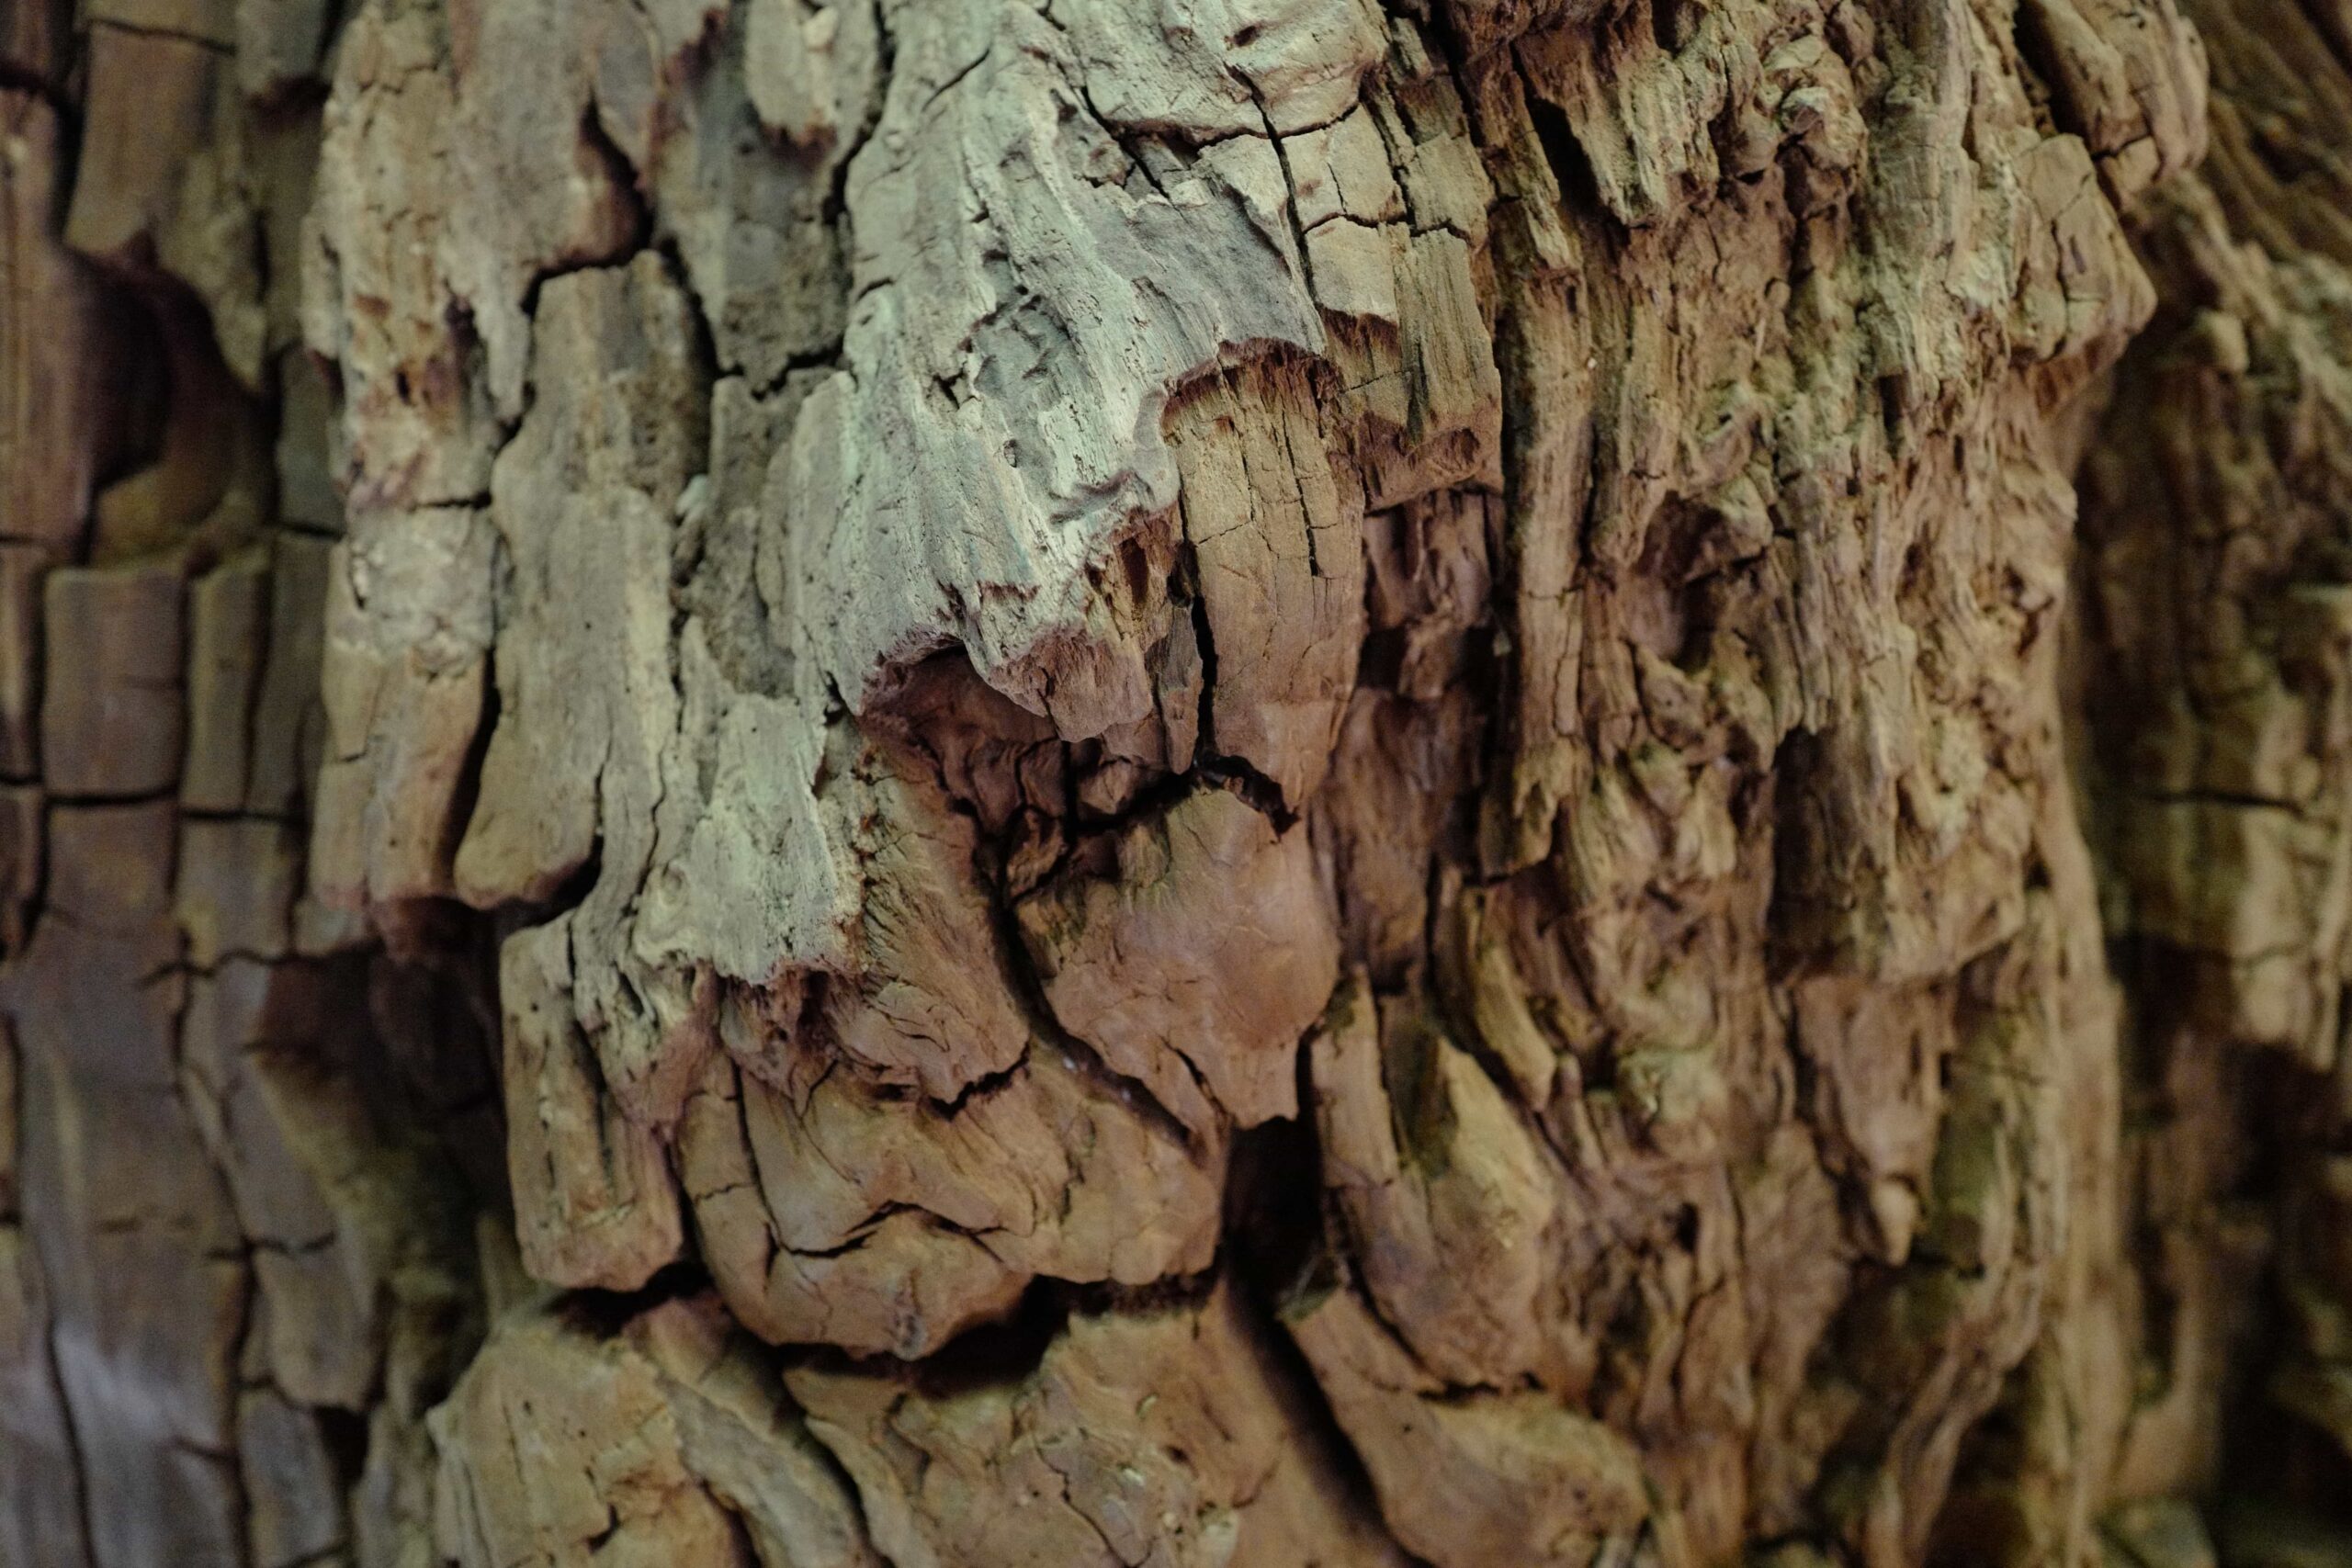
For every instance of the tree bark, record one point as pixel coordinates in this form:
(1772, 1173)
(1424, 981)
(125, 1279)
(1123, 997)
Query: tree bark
(954, 783)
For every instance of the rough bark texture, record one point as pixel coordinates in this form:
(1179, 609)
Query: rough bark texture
(957, 783)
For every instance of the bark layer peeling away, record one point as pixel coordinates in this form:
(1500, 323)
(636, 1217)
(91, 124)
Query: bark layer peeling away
(956, 783)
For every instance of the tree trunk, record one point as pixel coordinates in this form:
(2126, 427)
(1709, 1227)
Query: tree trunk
(959, 784)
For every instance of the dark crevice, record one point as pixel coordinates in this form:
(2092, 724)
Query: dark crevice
(1276, 1247)
(604, 1314)
(17, 78)
(1571, 168)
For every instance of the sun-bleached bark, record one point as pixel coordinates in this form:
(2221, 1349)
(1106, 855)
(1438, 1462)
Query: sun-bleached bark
(958, 782)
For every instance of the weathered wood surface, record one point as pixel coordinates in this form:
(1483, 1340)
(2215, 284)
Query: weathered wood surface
(236, 1259)
(953, 784)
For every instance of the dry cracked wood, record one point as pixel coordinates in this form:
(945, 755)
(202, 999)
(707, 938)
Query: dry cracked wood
(235, 1259)
(960, 783)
